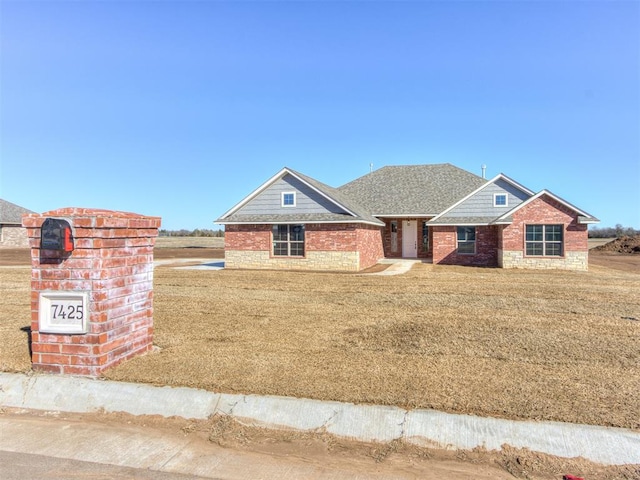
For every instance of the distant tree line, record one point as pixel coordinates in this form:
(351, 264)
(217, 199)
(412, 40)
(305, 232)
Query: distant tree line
(198, 232)
(611, 232)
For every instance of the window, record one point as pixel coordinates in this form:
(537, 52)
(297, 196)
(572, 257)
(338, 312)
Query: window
(288, 240)
(425, 237)
(500, 200)
(543, 240)
(288, 199)
(467, 240)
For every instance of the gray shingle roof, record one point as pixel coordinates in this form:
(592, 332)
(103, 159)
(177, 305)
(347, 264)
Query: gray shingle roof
(10, 213)
(412, 189)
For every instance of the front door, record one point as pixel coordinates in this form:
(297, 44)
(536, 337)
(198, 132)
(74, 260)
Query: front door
(409, 238)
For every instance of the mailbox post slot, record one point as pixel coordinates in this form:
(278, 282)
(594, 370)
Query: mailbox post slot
(56, 234)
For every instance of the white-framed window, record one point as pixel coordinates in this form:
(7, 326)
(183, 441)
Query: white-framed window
(466, 240)
(288, 199)
(543, 240)
(500, 200)
(288, 240)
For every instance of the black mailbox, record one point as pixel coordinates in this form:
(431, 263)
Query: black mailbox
(55, 234)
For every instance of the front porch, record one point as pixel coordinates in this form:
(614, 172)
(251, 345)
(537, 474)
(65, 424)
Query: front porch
(409, 238)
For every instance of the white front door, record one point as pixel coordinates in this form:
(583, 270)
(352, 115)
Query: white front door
(409, 238)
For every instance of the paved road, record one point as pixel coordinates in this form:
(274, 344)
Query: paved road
(21, 466)
(51, 447)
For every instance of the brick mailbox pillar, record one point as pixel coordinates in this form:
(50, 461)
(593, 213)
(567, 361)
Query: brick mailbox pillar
(92, 297)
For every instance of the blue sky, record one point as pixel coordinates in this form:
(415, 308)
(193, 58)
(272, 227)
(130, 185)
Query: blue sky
(181, 109)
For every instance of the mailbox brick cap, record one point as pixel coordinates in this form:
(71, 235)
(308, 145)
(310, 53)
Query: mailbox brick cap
(94, 217)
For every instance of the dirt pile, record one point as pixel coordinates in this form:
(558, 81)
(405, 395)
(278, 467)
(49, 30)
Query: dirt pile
(625, 245)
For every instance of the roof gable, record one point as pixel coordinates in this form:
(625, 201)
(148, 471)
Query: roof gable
(480, 207)
(315, 201)
(306, 199)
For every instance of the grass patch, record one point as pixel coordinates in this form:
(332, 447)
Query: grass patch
(547, 345)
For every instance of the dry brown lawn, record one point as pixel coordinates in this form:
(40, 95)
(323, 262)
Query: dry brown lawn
(546, 345)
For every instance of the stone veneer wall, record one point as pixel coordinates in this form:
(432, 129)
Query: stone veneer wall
(337, 261)
(578, 261)
(113, 262)
(13, 236)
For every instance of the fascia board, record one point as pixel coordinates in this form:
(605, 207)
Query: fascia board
(306, 222)
(460, 224)
(253, 194)
(503, 222)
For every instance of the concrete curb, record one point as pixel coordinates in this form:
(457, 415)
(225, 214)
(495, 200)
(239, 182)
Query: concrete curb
(611, 446)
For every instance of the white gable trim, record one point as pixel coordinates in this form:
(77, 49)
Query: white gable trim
(500, 176)
(589, 219)
(255, 193)
(272, 180)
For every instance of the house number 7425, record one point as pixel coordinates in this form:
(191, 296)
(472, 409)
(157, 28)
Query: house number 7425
(66, 311)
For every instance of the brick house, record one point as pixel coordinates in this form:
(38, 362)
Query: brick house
(12, 234)
(438, 212)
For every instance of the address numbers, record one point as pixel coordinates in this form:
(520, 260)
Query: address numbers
(63, 312)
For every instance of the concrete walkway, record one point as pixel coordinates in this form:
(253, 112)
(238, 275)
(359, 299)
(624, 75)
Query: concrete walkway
(397, 266)
(612, 446)
(201, 263)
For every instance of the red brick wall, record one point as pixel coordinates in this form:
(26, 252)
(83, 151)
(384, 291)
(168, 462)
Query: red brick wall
(332, 237)
(370, 245)
(247, 237)
(545, 210)
(113, 261)
(445, 247)
(343, 237)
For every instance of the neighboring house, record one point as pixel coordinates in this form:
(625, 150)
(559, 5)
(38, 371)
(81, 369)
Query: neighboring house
(437, 212)
(12, 233)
